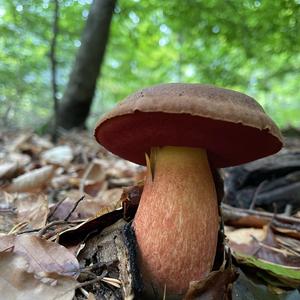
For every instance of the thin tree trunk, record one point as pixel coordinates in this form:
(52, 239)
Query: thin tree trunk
(53, 67)
(77, 99)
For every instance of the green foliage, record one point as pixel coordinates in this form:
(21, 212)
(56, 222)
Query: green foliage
(251, 46)
(276, 274)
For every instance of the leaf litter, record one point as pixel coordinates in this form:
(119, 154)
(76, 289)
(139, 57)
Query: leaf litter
(56, 199)
(47, 190)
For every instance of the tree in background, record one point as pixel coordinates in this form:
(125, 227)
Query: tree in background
(75, 105)
(251, 46)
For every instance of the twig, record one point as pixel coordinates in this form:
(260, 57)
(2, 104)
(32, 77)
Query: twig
(287, 246)
(257, 191)
(92, 281)
(82, 284)
(29, 231)
(55, 223)
(51, 224)
(57, 205)
(18, 227)
(8, 210)
(84, 177)
(246, 217)
(165, 292)
(112, 281)
(84, 292)
(97, 265)
(288, 210)
(53, 67)
(289, 226)
(74, 207)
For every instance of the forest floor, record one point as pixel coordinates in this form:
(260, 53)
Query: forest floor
(53, 196)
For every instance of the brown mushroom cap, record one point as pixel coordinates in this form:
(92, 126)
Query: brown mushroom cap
(231, 126)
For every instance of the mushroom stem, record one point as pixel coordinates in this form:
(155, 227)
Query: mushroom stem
(177, 221)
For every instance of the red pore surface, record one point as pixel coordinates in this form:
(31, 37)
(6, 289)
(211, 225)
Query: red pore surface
(131, 136)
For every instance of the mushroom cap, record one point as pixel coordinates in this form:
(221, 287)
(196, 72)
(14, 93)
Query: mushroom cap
(231, 126)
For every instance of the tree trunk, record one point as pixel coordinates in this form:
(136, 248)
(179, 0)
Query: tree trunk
(75, 105)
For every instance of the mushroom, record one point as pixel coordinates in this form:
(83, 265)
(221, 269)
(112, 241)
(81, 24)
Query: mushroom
(186, 129)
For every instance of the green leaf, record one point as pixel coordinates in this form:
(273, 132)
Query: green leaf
(287, 276)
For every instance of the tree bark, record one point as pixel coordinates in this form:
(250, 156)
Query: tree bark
(53, 63)
(75, 105)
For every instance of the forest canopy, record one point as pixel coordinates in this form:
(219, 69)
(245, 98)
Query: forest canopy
(250, 46)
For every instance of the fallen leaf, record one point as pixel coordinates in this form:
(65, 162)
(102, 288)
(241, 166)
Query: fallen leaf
(41, 142)
(89, 207)
(94, 188)
(111, 198)
(264, 246)
(91, 296)
(7, 242)
(95, 225)
(29, 209)
(282, 275)
(20, 158)
(19, 141)
(46, 257)
(130, 200)
(287, 231)
(64, 182)
(60, 155)
(289, 243)
(216, 285)
(33, 209)
(19, 284)
(31, 181)
(93, 178)
(8, 170)
(94, 172)
(244, 235)
(8, 213)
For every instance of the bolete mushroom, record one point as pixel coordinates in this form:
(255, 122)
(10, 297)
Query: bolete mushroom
(186, 129)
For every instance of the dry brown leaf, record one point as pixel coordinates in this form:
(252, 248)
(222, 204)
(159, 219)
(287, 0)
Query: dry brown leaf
(94, 188)
(7, 242)
(33, 209)
(41, 142)
(292, 232)
(60, 155)
(46, 257)
(265, 247)
(8, 170)
(122, 168)
(91, 296)
(94, 172)
(289, 243)
(111, 198)
(216, 286)
(244, 235)
(18, 284)
(93, 179)
(90, 206)
(79, 233)
(20, 158)
(30, 209)
(8, 212)
(63, 181)
(19, 141)
(32, 181)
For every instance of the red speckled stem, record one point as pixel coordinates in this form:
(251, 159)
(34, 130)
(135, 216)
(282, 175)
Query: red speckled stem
(177, 221)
